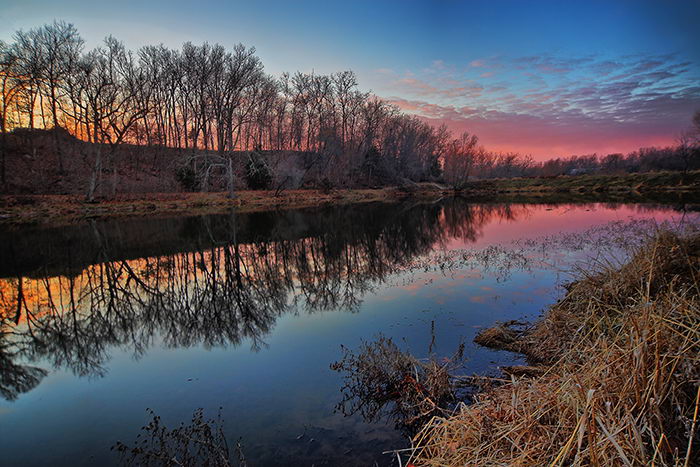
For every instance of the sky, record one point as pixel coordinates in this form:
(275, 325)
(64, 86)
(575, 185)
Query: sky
(545, 78)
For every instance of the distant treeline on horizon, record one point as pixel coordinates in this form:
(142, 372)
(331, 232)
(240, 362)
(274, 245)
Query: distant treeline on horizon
(225, 117)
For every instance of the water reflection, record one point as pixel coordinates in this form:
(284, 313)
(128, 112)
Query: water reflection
(70, 295)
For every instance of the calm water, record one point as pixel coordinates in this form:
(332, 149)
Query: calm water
(247, 312)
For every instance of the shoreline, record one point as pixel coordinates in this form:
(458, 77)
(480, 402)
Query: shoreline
(611, 374)
(66, 209)
(657, 187)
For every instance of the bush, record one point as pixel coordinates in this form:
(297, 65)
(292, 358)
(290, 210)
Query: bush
(186, 177)
(258, 174)
(325, 185)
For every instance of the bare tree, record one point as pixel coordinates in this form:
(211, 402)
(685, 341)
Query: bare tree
(109, 86)
(60, 46)
(460, 159)
(218, 107)
(10, 87)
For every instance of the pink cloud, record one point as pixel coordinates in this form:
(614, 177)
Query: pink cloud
(550, 106)
(541, 137)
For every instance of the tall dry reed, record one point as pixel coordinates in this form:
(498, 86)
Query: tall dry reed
(621, 360)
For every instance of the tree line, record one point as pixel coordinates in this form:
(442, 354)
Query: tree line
(465, 159)
(683, 156)
(210, 102)
(226, 118)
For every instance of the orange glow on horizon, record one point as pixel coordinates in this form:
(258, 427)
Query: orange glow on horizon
(541, 139)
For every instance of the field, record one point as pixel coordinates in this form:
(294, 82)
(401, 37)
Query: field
(636, 183)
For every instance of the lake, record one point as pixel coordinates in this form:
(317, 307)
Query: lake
(245, 313)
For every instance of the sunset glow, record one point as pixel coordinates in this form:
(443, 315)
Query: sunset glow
(349, 233)
(547, 79)
(551, 106)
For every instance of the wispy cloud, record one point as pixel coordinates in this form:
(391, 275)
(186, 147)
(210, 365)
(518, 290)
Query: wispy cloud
(422, 88)
(384, 71)
(551, 105)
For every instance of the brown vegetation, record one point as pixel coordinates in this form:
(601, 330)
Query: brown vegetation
(620, 356)
(663, 187)
(56, 209)
(505, 336)
(636, 183)
(381, 378)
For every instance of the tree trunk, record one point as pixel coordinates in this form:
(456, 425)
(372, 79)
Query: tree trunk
(97, 169)
(229, 173)
(57, 144)
(3, 150)
(114, 177)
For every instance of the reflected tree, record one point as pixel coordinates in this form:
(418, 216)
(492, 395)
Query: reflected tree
(225, 281)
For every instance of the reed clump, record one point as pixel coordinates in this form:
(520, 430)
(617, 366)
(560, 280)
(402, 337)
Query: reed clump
(620, 355)
(380, 378)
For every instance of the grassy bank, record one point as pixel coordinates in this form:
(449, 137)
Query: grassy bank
(636, 183)
(67, 208)
(661, 187)
(615, 377)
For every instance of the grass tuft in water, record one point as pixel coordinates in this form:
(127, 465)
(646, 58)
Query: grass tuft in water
(380, 378)
(201, 442)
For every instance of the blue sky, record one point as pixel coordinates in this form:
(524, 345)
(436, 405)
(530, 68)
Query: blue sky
(547, 78)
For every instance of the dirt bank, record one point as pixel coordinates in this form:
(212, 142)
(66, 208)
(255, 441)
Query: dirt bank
(660, 187)
(58, 209)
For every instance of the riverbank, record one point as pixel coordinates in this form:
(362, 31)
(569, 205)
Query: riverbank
(614, 376)
(657, 187)
(58, 209)
(633, 184)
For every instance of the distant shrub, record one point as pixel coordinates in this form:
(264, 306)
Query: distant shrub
(287, 176)
(325, 185)
(375, 169)
(187, 178)
(258, 174)
(435, 169)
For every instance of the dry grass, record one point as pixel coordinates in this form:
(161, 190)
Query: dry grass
(380, 378)
(60, 209)
(199, 443)
(505, 336)
(621, 360)
(595, 183)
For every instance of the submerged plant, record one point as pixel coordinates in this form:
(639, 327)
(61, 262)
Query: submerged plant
(380, 378)
(201, 442)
